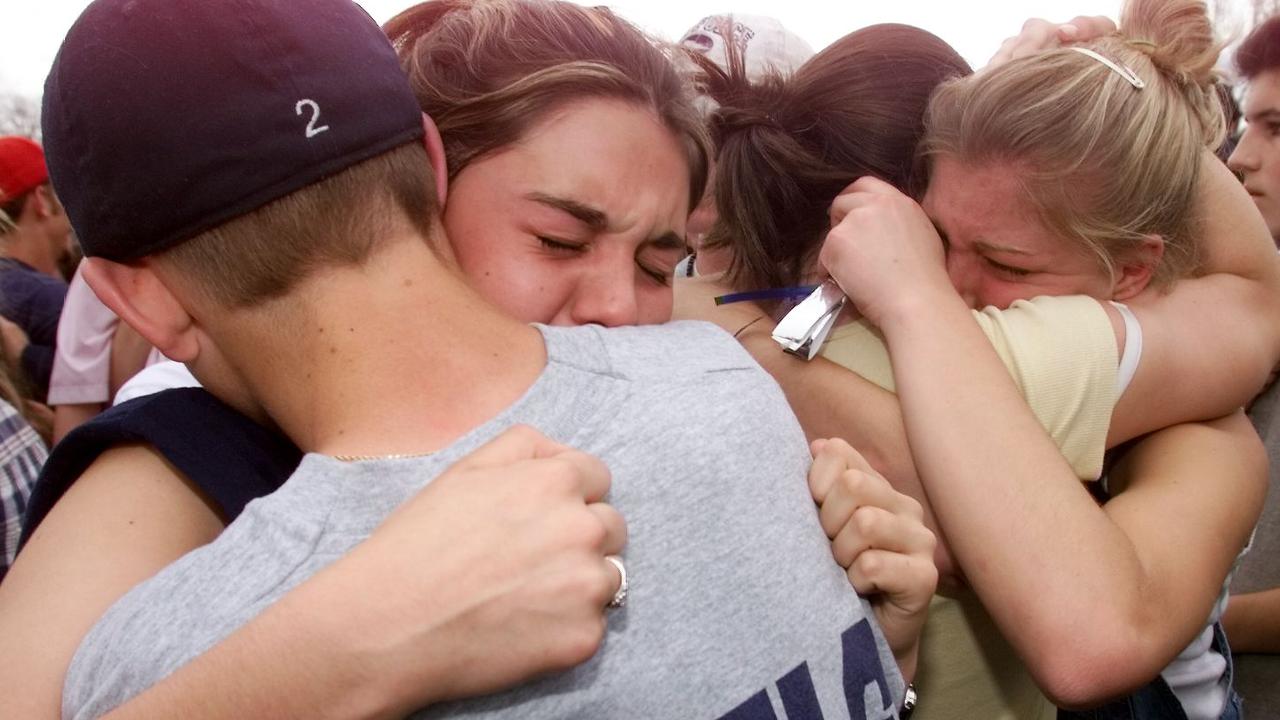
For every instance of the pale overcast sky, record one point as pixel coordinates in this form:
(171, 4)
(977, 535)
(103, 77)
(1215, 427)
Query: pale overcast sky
(974, 28)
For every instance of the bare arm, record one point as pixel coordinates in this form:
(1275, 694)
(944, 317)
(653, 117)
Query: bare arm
(377, 634)
(1038, 550)
(1034, 545)
(68, 417)
(1211, 343)
(1252, 622)
(127, 517)
(1208, 347)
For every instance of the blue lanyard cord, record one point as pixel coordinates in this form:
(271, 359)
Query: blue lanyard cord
(789, 293)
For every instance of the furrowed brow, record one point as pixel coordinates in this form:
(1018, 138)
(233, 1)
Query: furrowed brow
(1268, 115)
(993, 247)
(593, 218)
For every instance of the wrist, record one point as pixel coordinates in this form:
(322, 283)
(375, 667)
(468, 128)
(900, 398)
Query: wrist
(923, 306)
(368, 672)
(908, 661)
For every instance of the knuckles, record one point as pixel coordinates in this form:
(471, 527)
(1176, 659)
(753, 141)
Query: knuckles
(867, 566)
(580, 528)
(858, 483)
(1034, 25)
(912, 508)
(929, 543)
(577, 643)
(868, 522)
(558, 477)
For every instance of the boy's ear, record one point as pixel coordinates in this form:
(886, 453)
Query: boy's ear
(46, 203)
(435, 151)
(1134, 274)
(138, 296)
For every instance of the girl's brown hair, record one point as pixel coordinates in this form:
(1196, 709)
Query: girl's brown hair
(486, 71)
(788, 145)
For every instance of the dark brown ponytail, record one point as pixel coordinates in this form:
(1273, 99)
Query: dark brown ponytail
(787, 146)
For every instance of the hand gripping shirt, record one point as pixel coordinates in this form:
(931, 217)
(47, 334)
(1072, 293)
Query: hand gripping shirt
(736, 608)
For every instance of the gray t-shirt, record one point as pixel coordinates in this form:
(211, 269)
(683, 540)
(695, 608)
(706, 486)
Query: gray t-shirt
(736, 609)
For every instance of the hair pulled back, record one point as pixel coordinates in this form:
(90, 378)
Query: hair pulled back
(486, 71)
(786, 146)
(1106, 164)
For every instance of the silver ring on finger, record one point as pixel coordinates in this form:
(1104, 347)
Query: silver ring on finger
(620, 597)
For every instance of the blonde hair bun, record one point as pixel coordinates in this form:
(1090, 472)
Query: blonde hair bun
(1176, 35)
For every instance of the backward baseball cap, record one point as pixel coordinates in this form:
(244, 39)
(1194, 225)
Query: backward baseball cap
(765, 43)
(166, 118)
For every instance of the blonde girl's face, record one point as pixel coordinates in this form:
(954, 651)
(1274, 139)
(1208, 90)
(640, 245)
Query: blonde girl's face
(998, 250)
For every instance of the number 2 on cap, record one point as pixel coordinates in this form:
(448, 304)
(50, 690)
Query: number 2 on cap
(312, 130)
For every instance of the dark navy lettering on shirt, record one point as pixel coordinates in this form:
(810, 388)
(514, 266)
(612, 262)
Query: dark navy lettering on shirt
(865, 689)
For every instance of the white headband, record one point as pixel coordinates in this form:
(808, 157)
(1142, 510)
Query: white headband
(1121, 70)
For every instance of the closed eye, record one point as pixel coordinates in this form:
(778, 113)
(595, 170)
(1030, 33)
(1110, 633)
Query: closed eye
(1008, 269)
(561, 246)
(661, 276)
(659, 262)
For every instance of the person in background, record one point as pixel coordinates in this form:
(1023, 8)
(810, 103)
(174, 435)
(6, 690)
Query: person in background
(1252, 619)
(95, 356)
(34, 238)
(1256, 158)
(763, 46)
(22, 454)
(764, 43)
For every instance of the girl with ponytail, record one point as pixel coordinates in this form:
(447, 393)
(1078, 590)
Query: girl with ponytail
(1083, 170)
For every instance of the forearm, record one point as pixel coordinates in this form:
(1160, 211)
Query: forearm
(302, 658)
(1213, 340)
(493, 574)
(1252, 622)
(1096, 601)
(1032, 542)
(70, 416)
(1235, 236)
(1208, 348)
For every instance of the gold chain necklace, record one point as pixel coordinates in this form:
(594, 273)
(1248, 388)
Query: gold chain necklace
(365, 458)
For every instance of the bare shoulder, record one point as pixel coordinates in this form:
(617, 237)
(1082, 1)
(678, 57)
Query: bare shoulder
(129, 515)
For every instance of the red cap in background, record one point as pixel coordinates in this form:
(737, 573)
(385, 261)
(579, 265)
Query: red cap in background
(22, 167)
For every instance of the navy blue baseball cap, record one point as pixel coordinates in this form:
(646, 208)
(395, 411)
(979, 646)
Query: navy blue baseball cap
(165, 118)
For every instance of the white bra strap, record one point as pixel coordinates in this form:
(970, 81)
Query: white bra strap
(1132, 349)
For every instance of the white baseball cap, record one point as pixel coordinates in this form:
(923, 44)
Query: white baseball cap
(764, 42)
